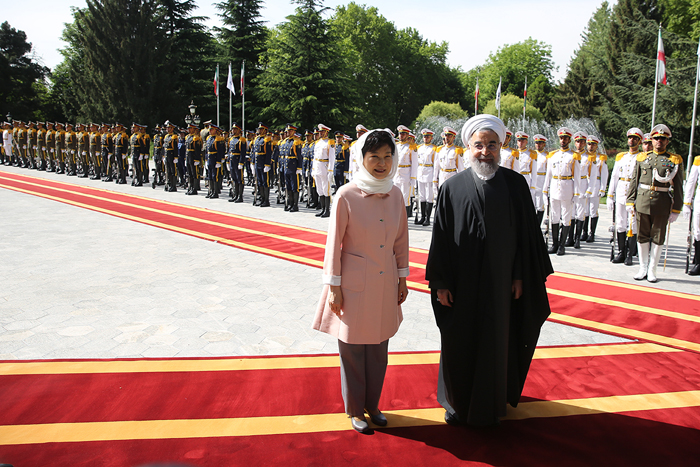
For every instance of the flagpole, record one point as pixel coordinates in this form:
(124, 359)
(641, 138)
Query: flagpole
(217, 94)
(476, 98)
(230, 100)
(498, 97)
(692, 126)
(243, 95)
(656, 80)
(524, 102)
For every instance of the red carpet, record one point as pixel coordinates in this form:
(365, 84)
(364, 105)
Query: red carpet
(636, 312)
(576, 411)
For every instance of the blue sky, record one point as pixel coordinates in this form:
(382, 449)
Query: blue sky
(472, 29)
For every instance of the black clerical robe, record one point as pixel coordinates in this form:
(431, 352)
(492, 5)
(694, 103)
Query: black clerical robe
(486, 235)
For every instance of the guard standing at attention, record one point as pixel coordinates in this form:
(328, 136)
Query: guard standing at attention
(237, 151)
(216, 149)
(41, 145)
(121, 143)
(291, 161)
(341, 160)
(307, 151)
(193, 143)
(425, 156)
(50, 147)
(135, 150)
(261, 153)
(106, 163)
(170, 148)
(324, 160)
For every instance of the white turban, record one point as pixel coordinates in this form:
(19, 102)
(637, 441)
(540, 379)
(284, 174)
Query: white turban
(364, 180)
(480, 123)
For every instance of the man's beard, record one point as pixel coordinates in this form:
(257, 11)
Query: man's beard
(483, 168)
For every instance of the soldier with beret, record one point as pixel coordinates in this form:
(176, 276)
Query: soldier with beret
(655, 195)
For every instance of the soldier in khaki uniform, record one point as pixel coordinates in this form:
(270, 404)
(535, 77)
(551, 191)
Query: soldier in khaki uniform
(41, 146)
(71, 142)
(50, 147)
(60, 135)
(651, 198)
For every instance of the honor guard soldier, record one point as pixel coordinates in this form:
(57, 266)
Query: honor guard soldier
(625, 223)
(7, 144)
(581, 201)
(61, 147)
(307, 151)
(21, 139)
(359, 131)
(135, 152)
(41, 145)
(170, 147)
(261, 154)
(647, 145)
(50, 147)
(597, 184)
(407, 166)
(121, 143)
(448, 159)
(539, 175)
(291, 160)
(71, 142)
(145, 154)
(250, 177)
(342, 154)
(31, 145)
(561, 186)
(216, 149)
(237, 153)
(82, 138)
(691, 209)
(656, 196)
(95, 148)
(193, 147)
(425, 156)
(509, 159)
(324, 159)
(158, 172)
(275, 170)
(526, 161)
(106, 168)
(181, 160)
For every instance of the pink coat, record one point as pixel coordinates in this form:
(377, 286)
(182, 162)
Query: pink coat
(366, 253)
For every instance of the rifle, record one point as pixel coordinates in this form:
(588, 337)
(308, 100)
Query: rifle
(689, 240)
(549, 222)
(612, 235)
(668, 232)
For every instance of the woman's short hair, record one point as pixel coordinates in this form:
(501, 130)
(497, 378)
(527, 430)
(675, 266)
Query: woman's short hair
(378, 139)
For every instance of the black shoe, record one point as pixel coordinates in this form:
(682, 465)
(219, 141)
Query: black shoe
(452, 419)
(379, 419)
(361, 426)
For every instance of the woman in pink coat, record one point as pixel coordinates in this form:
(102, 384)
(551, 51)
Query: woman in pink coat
(364, 275)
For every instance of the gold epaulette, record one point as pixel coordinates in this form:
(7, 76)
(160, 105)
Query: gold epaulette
(619, 156)
(697, 160)
(603, 157)
(440, 147)
(675, 158)
(459, 150)
(267, 139)
(642, 156)
(577, 156)
(242, 139)
(551, 153)
(413, 147)
(331, 142)
(219, 138)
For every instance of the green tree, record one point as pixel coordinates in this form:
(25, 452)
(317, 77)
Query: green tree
(243, 38)
(442, 109)
(21, 79)
(512, 108)
(304, 80)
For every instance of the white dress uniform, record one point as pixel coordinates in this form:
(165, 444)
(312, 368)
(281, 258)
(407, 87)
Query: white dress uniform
(7, 142)
(539, 175)
(598, 182)
(619, 181)
(527, 163)
(691, 192)
(509, 159)
(406, 170)
(354, 148)
(322, 168)
(448, 162)
(425, 173)
(581, 203)
(561, 185)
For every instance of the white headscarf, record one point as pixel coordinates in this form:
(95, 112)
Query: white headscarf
(364, 180)
(483, 122)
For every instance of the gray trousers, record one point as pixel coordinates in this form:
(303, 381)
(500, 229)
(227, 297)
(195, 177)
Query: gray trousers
(362, 370)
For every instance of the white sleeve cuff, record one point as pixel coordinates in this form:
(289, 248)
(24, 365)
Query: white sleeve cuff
(403, 272)
(331, 280)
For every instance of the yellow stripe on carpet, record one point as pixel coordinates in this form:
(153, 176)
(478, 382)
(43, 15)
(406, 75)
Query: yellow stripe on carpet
(294, 424)
(281, 363)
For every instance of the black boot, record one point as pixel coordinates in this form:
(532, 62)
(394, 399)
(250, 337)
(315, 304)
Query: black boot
(408, 211)
(327, 205)
(584, 233)
(631, 249)
(266, 197)
(420, 221)
(695, 270)
(321, 204)
(568, 240)
(594, 224)
(428, 212)
(577, 234)
(622, 245)
(295, 202)
(555, 239)
(540, 217)
(565, 234)
(240, 193)
(287, 200)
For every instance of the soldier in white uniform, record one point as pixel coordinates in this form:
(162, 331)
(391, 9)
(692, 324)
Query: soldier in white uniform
(527, 161)
(538, 175)
(7, 143)
(322, 168)
(579, 202)
(561, 186)
(407, 166)
(691, 204)
(598, 182)
(625, 224)
(425, 176)
(448, 159)
(360, 130)
(509, 159)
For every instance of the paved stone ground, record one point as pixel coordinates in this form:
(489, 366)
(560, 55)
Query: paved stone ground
(80, 284)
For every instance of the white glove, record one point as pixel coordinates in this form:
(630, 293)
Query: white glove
(240, 166)
(601, 193)
(140, 158)
(545, 199)
(175, 160)
(124, 156)
(266, 169)
(610, 204)
(298, 171)
(686, 212)
(51, 150)
(84, 153)
(72, 152)
(630, 208)
(218, 165)
(196, 162)
(673, 217)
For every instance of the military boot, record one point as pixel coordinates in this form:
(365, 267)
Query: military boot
(540, 218)
(327, 211)
(420, 221)
(569, 239)
(321, 203)
(577, 234)
(555, 239)
(428, 212)
(287, 200)
(584, 233)
(240, 193)
(594, 224)
(654, 257)
(622, 245)
(295, 202)
(695, 270)
(565, 234)
(631, 249)
(265, 197)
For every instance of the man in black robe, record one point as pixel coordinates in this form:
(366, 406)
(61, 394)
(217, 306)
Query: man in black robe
(487, 269)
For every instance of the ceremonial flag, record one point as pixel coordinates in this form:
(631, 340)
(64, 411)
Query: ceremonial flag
(229, 81)
(242, 75)
(661, 62)
(525, 95)
(498, 98)
(216, 82)
(476, 98)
